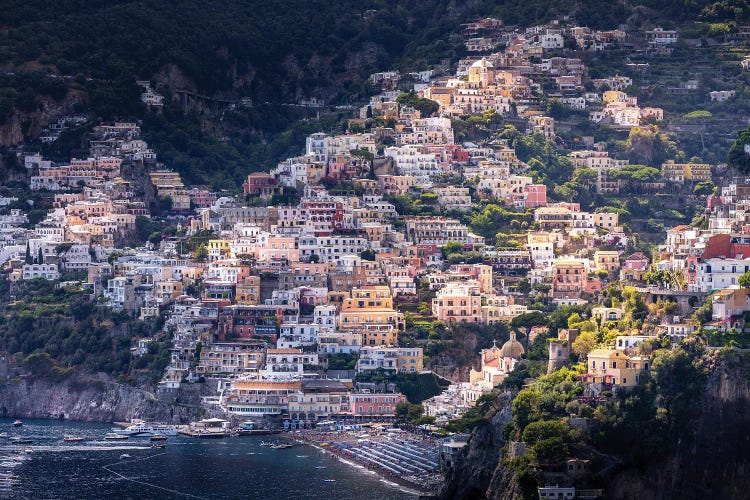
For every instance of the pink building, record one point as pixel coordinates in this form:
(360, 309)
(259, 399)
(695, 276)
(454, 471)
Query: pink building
(366, 404)
(535, 195)
(202, 198)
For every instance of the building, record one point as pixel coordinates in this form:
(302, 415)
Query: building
(394, 359)
(682, 172)
(569, 279)
(318, 399)
(369, 305)
(423, 230)
(231, 358)
(43, 271)
(370, 404)
(259, 398)
(497, 363)
(613, 368)
(458, 302)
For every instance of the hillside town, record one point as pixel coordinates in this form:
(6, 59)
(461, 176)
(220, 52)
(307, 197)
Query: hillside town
(315, 290)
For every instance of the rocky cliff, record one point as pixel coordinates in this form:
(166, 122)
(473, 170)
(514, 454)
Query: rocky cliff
(479, 463)
(714, 462)
(93, 399)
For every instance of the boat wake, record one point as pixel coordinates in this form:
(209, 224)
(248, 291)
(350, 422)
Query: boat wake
(144, 483)
(83, 447)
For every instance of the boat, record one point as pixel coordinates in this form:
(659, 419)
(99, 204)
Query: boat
(124, 455)
(302, 456)
(17, 423)
(18, 440)
(3, 434)
(113, 436)
(158, 437)
(281, 446)
(329, 480)
(144, 429)
(158, 445)
(320, 466)
(249, 429)
(72, 439)
(266, 443)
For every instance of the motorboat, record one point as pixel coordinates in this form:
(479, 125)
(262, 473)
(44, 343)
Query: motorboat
(281, 446)
(113, 436)
(158, 445)
(124, 456)
(144, 429)
(72, 439)
(158, 437)
(18, 440)
(17, 423)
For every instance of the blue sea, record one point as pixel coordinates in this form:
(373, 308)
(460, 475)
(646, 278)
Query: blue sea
(237, 467)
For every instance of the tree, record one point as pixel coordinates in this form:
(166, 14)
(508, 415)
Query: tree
(584, 343)
(744, 280)
(28, 259)
(201, 253)
(368, 255)
(426, 107)
(704, 188)
(545, 429)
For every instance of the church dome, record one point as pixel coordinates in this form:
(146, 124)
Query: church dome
(512, 348)
(482, 63)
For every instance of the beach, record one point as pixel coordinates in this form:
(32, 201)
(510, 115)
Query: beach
(357, 449)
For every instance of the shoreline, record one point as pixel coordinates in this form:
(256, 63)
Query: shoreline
(395, 482)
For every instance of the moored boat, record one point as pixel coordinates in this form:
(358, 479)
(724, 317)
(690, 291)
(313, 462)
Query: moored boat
(72, 439)
(18, 440)
(158, 437)
(113, 436)
(144, 429)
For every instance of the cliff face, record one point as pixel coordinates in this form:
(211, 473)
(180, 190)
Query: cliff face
(479, 462)
(23, 126)
(95, 400)
(715, 462)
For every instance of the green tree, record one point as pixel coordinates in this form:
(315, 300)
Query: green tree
(704, 188)
(201, 253)
(584, 343)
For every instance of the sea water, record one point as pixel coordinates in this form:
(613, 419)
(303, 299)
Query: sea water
(237, 467)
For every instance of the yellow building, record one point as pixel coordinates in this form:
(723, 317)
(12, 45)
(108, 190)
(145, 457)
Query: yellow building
(248, 291)
(681, 172)
(379, 335)
(607, 260)
(610, 367)
(369, 305)
(218, 249)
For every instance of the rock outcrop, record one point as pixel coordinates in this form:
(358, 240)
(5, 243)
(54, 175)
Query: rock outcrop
(714, 463)
(92, 399)
(479, 463)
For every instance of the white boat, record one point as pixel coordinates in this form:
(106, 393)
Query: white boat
(113, 436)
(72, 439)
(17, 423)
(124, 456)
(143, 429)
